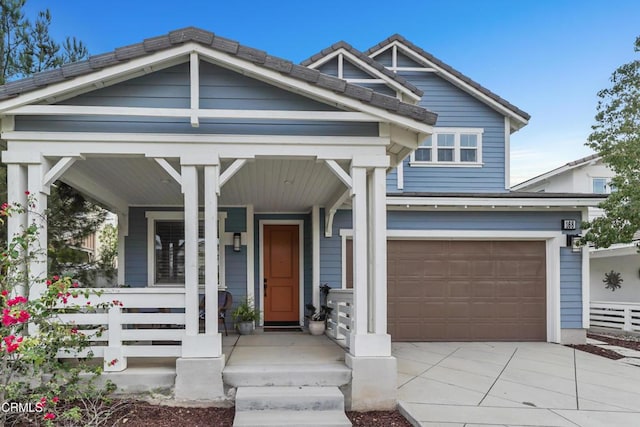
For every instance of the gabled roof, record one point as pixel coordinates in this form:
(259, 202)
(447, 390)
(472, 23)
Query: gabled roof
(557, 171)
(364, 58)
(210, 40)
(429, 58)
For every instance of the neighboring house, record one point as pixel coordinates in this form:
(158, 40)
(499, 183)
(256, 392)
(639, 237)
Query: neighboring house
(591, 175)
(389, 152)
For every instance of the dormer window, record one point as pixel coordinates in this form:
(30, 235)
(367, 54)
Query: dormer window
(601, 185)
(450, 147)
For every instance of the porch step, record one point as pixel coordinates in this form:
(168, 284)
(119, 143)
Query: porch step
(289, 398)
(326, 375)
(290, 406)
(288, 418)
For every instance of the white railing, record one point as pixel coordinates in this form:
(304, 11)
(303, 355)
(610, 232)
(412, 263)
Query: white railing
(615, 315)
(149, 323)
(340, 321)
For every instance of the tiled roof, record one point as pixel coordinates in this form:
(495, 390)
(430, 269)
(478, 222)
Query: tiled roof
(457, 74)
(369, 61)
(210, 40)
(584, 160)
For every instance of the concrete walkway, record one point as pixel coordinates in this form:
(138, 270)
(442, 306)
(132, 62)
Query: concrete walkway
(514, 384)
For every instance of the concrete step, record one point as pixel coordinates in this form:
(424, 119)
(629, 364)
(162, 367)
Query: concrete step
(289, 398)
(330, 374)
(291, 418)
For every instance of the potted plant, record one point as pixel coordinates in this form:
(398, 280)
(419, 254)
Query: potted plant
(245, 316)
(318, 318)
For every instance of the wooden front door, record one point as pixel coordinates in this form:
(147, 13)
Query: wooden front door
(281, 273)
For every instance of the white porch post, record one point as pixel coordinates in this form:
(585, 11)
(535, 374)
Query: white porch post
(373, 368)
(37, 215)
(199, 370)
(211, 188)
(16, 187)
(190, 190)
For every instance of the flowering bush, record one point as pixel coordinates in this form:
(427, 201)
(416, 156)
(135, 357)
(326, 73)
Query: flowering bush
(32, 337)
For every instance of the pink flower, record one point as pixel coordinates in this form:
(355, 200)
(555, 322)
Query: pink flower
(17, 300)
(50, 416)
(7, 318)
(55, 399)
(56, 278)
(75, 284)
(23, 316)
(27, 192)
(74, 330)
(5, 293)
(48, 282)
(12, 343)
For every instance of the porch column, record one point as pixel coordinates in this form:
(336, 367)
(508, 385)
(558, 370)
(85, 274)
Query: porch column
(373, 368)
(16, 187)
(37, 215)
(211, 188)
(199, 370)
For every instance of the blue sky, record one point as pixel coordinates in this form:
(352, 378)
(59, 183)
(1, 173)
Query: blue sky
(548, 57)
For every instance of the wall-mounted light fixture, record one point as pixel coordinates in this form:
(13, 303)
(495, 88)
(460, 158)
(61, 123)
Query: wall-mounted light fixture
(236, 242)
(573, 242)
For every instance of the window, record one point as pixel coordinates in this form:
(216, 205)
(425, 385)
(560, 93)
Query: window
(166, 256)
(602, 185)
(450, 147)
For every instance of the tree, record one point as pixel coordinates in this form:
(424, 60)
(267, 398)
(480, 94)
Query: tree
(616, 137)
(26, 48)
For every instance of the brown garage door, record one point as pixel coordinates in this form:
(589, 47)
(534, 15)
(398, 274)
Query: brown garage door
(466, 290)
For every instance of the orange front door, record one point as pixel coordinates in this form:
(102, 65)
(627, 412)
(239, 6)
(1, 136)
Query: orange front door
(281, 273)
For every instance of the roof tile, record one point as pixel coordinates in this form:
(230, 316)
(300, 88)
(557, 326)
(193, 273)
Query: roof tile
(384, 101)
(251, 54)
(333, 83)
(154, 44)
(278, 64)
(49, 76)
(225, 45)
(103, 60)
(304, 73)
(359, 92)
(128, 52)
(76, 69)
(21, 85)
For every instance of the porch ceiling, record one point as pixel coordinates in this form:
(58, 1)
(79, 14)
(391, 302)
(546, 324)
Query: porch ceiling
(270, 184)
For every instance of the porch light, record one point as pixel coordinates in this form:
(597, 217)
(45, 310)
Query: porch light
(236, 242)
(573, 242)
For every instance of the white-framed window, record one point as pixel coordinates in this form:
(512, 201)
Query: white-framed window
(450, 147)
(165, 249)
(601, 185)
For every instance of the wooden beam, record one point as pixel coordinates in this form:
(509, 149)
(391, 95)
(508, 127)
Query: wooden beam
(340, 173)
(56, 172)
(194, 72)
(80, 110)
(170, 170)
(331, 208)
(230, 172)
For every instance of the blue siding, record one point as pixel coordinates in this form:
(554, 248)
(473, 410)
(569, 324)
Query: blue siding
(219, 88)
(455, 108)
(351, 71)
(135, 247)
(307, 248)
(570, 289)
(330, 67)
(570, 263)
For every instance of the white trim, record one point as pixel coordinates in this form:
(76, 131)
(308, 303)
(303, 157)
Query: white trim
(57, 171)
(400, 175)
(553, 241)
(381, 77)
(452, 78)
(250, 254)
(343, 252)
(300, 224)
(492, 202)
(315, 244)
(339, 172)
(194, 82)
(193, 113)
(457, 148)
(230, 172)
(507, 152)
(557, 171)
(169, 169)
(223, 236)
(586, 279)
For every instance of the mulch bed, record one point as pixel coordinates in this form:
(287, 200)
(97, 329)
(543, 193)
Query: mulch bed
(143, 414)
(631, 342)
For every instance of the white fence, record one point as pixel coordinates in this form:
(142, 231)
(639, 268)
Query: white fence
(339, 323)
(615, 315)
(150, 323)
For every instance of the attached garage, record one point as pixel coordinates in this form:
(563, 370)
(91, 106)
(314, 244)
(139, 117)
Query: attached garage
(455, 290)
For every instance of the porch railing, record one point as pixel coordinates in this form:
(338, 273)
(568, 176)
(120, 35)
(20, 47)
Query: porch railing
(149, 323)
(339, 323)
(615, 315)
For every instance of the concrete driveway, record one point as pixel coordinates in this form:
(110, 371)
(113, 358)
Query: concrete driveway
(514, 384)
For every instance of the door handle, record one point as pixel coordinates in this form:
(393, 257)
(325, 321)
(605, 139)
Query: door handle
(265, 288)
